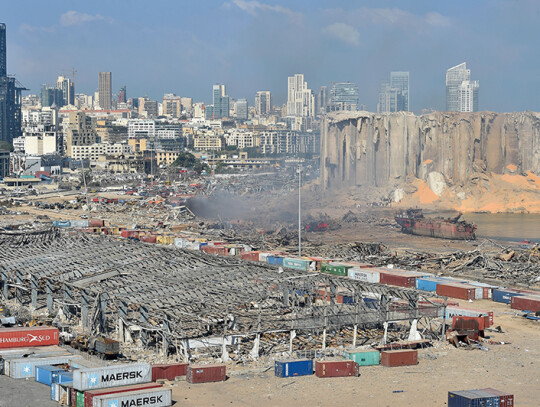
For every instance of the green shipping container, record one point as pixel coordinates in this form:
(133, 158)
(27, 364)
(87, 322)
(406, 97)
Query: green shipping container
(298, 264)
(80, 399)
(336, 269)
(363, 357)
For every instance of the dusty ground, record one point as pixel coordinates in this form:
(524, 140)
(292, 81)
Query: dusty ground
(514, 367)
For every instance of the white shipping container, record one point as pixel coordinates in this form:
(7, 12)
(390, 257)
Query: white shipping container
(55, 392)
(478, 293)
(111, 376)
(363, 274)
(26, 367)
(148, 398)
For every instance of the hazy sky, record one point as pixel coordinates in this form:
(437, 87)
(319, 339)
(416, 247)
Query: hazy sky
(183, 47)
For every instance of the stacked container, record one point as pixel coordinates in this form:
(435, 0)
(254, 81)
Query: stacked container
(149, 398)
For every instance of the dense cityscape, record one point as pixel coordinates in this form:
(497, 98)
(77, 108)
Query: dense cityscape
(319, 210)
(61, 129)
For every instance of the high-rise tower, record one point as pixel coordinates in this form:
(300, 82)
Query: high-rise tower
(105, 90)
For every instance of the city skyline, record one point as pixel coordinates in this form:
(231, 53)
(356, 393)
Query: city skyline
(179, 52)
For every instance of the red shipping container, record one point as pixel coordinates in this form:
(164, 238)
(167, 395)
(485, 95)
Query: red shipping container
(148, 239)
(251, 256)
(96, 223)
(399, 357)
(90, 394)
(336, 368)
(525, 303)
(134, 234)
(462, 322)
(168, 371)
(24, 337)
(461, 291)
(206, 373)
(398, 279)
(505, 400)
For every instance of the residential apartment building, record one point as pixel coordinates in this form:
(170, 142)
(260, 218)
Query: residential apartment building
(208, 143)
(263, 103)
(105, 90)
(461, 92)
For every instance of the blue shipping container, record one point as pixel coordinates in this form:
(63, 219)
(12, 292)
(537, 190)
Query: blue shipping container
(62, 223)
(504, 296)
(62, 377)
(275, 260)
(472, 398)
(427, 284)
(290, 368)
(44, 374)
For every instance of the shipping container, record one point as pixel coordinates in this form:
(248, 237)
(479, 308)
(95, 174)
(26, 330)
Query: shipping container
(55, 391)
(365, 274)
(64, 394)
(250, 256)
(454, 290)
(33, 336)
(399, 357)
(148, 398)
(470, 398)
(63, 377)
(79, 399)
(364, 357)
(111, 376)
(168, 371)
(130, 234)
(148, 239)
(487, 288)
(37, 352)
(206, 373)
(463, 322)
(430, 283)
(44, 374)
(275, 260)
(26, 367)
(525, 303)
(79, 223)
(290, 368)
(62, 223)
(96, 223)
(296, 263)
(397, 279)
(504, 295)
(335, 368)
(505, 399)
(88, 396)
(452, 311)
(337, 269)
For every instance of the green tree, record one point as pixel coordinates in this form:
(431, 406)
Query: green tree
(186, 160)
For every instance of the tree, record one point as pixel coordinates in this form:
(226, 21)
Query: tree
(186, 160)
(200, 167)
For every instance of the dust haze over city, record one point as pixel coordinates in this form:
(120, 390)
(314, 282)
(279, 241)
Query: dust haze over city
(269, 203)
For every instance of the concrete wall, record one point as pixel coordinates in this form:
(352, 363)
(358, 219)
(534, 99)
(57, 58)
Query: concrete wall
(362, 148)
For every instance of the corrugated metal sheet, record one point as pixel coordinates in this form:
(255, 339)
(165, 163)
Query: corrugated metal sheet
(147, 398)
(118, 375)
(168, 371)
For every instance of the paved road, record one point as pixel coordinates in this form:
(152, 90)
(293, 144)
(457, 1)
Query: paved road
(24, 393)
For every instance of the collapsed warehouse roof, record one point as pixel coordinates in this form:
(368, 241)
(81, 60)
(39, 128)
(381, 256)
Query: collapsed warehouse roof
(172, 293)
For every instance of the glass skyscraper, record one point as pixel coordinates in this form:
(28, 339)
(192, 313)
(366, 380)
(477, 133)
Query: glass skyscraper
(10, 96)
(394, 95)
(344, 96)
(461, 92)
(221, 102)
(400, 80)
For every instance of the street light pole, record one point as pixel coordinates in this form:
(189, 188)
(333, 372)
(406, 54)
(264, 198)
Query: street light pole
(299, 210)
